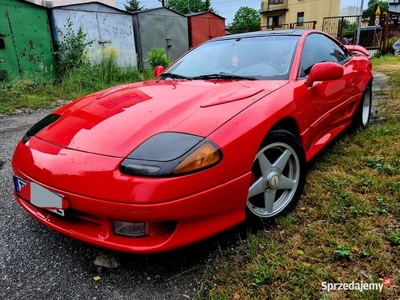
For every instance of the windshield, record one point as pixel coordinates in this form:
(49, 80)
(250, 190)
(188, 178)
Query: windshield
(267, 57)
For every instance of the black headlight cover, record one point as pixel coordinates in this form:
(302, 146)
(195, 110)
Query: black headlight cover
(160, 154)
(46, 121)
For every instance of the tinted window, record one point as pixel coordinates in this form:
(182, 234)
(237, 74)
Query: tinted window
(320, 48)
(267, 57)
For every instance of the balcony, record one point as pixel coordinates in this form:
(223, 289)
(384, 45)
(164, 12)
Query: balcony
(274, 5)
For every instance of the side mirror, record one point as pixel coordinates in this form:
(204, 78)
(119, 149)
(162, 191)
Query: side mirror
(158, 70)
(324, 71)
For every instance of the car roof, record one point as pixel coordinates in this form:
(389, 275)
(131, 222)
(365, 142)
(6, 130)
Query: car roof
(292, 32)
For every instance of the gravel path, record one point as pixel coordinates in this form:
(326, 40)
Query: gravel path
(39, 263)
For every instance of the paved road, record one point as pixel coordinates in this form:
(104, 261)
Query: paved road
(38, 263)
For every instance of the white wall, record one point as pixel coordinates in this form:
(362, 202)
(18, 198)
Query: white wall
(54, 3)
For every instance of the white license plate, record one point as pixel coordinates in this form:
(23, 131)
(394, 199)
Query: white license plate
(40, 197)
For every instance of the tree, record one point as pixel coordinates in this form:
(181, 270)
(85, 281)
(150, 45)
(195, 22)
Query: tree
(246, 19)
(208, 7)
(190, 6)
(372, 7)
(133, 5)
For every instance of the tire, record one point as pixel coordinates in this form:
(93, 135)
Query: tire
(279, 174)
(363, 113)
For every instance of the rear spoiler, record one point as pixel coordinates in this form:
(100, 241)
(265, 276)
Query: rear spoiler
(356, 49)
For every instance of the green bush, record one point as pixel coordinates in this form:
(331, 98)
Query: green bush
(99, 76)
(157, 57)
(71, 51)
(377, 54)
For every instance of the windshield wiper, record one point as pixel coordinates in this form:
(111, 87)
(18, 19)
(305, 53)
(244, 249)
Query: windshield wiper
(175, 76)
(223, 75)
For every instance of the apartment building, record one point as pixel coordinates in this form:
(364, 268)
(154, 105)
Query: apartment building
(394, 6)
(283, 13)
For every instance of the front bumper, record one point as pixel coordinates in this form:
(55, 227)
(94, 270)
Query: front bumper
(174, 221)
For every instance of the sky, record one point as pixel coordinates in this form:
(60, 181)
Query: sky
(228, 8)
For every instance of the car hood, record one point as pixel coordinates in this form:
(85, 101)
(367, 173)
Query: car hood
(117, 120)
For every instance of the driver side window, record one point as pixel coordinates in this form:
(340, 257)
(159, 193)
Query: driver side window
(319, 48)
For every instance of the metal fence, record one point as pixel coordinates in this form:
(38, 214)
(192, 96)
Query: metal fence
(343, 28)
(378, 37)
(303, 25)
(375, 37)
(275, 27)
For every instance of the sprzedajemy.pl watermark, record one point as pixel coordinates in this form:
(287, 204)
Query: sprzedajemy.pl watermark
(356, 286)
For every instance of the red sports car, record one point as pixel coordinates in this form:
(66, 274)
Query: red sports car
(223, 133)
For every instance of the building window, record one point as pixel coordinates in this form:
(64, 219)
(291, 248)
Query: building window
(300, 18)
(275, 21)
(275, 1)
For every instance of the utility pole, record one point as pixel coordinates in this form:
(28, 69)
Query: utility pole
(359, 23)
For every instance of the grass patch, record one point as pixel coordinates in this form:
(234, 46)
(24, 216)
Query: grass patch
(346, 225)
(24, 94)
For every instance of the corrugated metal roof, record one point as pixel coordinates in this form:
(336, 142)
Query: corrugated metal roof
(202, 13)
(154, 9)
